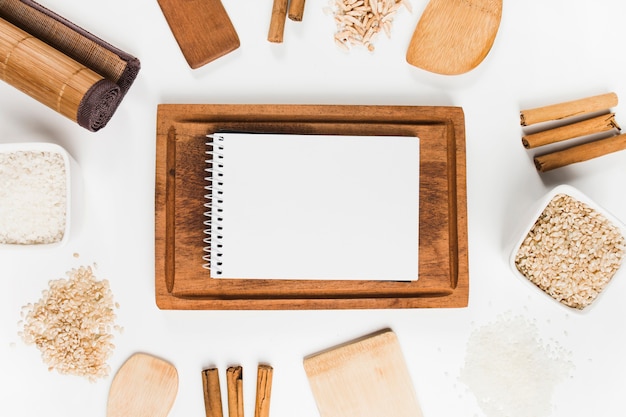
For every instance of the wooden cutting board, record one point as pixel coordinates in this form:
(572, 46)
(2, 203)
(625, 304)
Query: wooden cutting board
(202, 28)
(181, 281)
(366, 378)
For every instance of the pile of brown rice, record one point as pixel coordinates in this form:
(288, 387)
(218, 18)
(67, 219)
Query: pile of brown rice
(72, 324)
(571, 252)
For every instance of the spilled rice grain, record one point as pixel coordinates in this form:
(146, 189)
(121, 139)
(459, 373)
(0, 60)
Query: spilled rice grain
(72, 324)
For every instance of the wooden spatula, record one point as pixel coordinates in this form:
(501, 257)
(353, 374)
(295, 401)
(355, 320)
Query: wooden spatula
(453, 36)
(366, 377)
(145, 386)
(202, 29)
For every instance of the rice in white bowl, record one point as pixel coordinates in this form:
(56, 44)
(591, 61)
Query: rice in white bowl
(33, 197)
(572, 251)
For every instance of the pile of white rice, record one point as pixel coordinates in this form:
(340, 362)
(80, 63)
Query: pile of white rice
(72, 324)
(511, 371)
(33, 197)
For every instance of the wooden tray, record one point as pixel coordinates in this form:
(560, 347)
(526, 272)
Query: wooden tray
(182, 283)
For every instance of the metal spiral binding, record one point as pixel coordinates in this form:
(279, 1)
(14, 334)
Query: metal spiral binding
(214, 205)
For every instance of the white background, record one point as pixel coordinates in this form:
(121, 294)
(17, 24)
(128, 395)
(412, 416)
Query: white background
(546, 51)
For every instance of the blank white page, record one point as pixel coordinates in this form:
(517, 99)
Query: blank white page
(317, 207)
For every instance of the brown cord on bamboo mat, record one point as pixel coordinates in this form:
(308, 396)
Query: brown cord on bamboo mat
(112, 64)
(51, 77)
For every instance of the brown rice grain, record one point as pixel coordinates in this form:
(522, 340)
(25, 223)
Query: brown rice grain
(72, 324)
(571, 252)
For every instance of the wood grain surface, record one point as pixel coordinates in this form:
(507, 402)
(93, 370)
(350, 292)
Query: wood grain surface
(44, 73)
(366, 378)
(181, 282)
(144, 386)
(454, 36)
(202, 29)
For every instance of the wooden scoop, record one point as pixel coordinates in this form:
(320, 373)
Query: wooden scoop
(454, 36)
(202, 28)
(144, 386)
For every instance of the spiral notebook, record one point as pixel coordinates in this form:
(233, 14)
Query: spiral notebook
(312, 207)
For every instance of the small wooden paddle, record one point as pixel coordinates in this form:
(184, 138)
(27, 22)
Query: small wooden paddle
(453, 36)
(367, 377)
(202, 28)
(145, 386)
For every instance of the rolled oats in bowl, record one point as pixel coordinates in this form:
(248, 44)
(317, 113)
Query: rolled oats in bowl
(572, 250)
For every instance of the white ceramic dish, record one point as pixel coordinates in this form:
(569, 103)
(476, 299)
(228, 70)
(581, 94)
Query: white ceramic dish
(73, 183)
(537, 211)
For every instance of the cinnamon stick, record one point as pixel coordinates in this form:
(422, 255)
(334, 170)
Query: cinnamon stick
(234, 386)
(263, 391)
(212, 392)
(568, 109)
(590, 126)
(580, 153)
(296, 10)
(277, 22)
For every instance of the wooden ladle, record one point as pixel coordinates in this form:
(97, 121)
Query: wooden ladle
(144, 386)
(453, 36)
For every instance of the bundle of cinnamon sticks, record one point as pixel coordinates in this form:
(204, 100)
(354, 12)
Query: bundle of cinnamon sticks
(587, 124)
(280, 10)
(234, 386)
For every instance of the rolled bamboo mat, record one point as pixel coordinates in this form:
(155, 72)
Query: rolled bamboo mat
(62, 65)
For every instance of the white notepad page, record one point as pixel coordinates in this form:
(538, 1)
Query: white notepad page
(315, 207)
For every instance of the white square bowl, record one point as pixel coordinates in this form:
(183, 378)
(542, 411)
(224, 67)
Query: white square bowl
(72, 186)
(538, 210)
